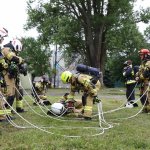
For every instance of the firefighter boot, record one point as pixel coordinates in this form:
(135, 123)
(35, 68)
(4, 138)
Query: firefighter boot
(3, 118)
(133, 103)
(19, 106)
(5, 115)
(10, 101)
(143, 99)
(144, 110)
(88, 108)
(148, 108)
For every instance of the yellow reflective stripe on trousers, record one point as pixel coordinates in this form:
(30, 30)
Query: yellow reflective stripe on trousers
(19, 103)
(5, 111)
(88, 108)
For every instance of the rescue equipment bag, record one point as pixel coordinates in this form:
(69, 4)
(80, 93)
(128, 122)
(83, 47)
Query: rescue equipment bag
(88, 70)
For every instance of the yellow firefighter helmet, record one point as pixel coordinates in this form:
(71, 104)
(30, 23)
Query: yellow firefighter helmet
(65, 76)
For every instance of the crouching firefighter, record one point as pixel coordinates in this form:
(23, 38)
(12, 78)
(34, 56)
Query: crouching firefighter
(10, 51)
(39, 90)
(86, 80)
(143, 76)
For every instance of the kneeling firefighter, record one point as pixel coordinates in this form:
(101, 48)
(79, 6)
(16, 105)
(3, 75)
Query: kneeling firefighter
(86, 80)
(39, 90)
(12, 71)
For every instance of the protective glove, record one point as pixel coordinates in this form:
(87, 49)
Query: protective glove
(94, 92)
(12, 70)
(23, 69)
(21, 60)
(69, 103)
(96, 99)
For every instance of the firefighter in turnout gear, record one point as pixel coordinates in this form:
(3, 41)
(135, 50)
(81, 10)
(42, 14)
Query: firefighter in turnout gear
(4, 113)
(12, 71)
(83, 82)
(130, 82)
(39, 90)
(143, 76)
(22, 70)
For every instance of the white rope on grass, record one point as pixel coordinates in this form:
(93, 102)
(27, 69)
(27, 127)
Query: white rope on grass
(122, 105)
(55, 115)
(146, 92)
(42, 129)
(34, 92)
(126, 108)
(101, 117)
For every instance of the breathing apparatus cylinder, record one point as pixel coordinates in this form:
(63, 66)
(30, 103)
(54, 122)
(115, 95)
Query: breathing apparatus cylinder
(88, 70)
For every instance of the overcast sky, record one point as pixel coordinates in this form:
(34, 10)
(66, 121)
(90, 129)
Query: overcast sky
(13, 16)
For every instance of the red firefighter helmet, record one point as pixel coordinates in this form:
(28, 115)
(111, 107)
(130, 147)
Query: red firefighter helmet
(144, 54)
(144, 51)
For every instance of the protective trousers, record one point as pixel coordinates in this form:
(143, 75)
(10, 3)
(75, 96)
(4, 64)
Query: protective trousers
(146, 97)
(19, 99)
(10, 86)
(130, 92)
(88, 107)
(3, 112)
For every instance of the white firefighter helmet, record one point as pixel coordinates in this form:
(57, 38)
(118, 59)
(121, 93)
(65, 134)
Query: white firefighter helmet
(17, 45)
(57, 108)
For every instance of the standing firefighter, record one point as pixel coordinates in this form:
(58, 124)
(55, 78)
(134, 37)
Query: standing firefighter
(22, 69)
(11, 73)
(143, 76)
(3, 65)
(85, 82)
(130, 82)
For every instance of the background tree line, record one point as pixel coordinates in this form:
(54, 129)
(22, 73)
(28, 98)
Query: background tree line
(103, 33)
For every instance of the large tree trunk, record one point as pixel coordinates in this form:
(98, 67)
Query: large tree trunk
(96, 50)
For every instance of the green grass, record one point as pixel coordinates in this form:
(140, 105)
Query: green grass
(126, 134)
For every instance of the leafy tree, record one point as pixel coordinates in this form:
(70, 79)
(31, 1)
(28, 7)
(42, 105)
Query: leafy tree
(127, 47)
(147, 35)
(83, 26)
(37, 56)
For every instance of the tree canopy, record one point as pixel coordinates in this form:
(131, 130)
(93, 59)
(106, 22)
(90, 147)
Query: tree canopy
(37, 56)
(100, 31)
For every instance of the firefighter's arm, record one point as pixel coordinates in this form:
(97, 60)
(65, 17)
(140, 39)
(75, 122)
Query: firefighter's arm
(146, 72)
(89, 86)
(127, 72)
(124, 71)
(70, 97)
(139, 75)
(4, 64)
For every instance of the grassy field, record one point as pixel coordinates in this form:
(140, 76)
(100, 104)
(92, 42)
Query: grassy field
(34, 130)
